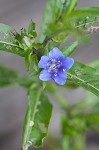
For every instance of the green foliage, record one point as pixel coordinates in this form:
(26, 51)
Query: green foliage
(82, 22)
(28, 60)
(85, 77)
(18, 43)
(35, 63)
(31, 29)
(5, 28)
(7, 77)
(49, 46)
(95, 65)
(71, 6)
(80, 118)
(12, 48)
(65, 142)
(62, 37)
(66, 24)
(87, 11)
(72, 126)
(85, 24)
(56, 9)
(87, 110)
(7, 42)
(69, 49)
(37, 118)
(61, 20)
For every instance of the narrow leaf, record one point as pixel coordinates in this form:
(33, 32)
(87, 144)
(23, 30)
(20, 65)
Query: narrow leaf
(85, 77)
(87, 11)
(37, 119)
(35, 62)
(56, 9)
(68, 50)
(12, 48)
(28, 60)
(7, 40)
(71, 6)
(5, 28)
(31, 29)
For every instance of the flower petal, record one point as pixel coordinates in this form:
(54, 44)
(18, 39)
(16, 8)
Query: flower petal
(60, 78)
(55, 53)
(45, 75)
(67, 63)
(43, 62)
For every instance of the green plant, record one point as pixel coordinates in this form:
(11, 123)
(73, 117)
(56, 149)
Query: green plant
(65, 20)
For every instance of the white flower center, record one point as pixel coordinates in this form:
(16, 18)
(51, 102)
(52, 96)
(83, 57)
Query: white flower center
(53, 66)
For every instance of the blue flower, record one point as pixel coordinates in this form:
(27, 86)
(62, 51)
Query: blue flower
(54, 66)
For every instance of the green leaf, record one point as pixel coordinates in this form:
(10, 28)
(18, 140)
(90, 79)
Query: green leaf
(80, 20)
(87, 11)
(68, 50)
(7, 33)
(31, 29)
(5, 28)
(95, 65)
(88, 111)
(71, 5)
(37, 118)
(71, 125)
(28, 60)
(49, 46)
(56, 9)
(72, 130)
(8, 43)
(12, 48)
(8, 77)
(85, 23)
(92, 121)
(35, 62)
(70, 85)
(85, 77)
(60, 37)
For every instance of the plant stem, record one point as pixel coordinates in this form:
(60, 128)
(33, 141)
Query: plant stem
(79, 142)
(73, 143)
(66, 143)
